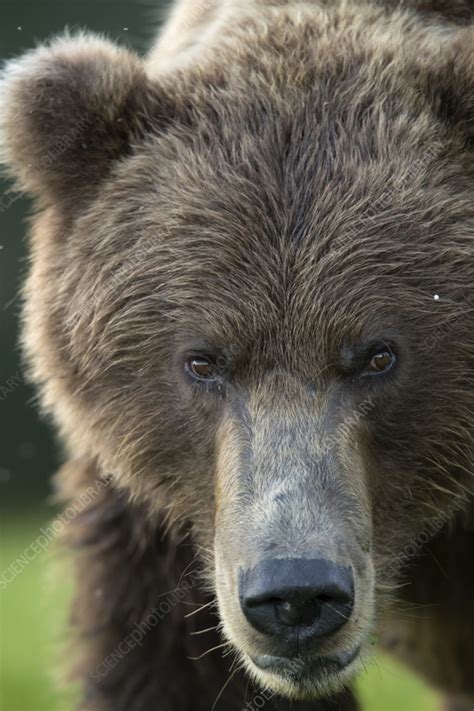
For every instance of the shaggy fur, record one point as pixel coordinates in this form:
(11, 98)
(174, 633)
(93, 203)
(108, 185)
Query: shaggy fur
(282, 188)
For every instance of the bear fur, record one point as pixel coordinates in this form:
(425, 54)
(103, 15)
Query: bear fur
(283, 181)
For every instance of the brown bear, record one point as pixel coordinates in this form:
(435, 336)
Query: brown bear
(249, 315)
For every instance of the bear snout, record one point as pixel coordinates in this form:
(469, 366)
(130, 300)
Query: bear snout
(297, 601)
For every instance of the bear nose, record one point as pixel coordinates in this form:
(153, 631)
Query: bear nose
(310, 597)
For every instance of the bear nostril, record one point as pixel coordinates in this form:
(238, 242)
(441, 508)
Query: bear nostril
(288, 614)
(292, 614)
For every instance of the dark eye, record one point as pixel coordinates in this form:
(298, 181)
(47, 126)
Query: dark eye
(201, 368)
(381, 361)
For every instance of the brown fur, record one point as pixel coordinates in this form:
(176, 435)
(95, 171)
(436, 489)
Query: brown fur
(291, 183)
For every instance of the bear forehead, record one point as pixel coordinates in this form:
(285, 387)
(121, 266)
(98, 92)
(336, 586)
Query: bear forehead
(298, 201)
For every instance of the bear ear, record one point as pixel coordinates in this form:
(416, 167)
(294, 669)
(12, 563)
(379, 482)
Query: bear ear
(67, 111)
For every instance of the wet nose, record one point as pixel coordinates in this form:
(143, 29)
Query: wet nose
(314, 598)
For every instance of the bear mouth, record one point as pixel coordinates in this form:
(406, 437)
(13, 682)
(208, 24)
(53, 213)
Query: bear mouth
(299, 670)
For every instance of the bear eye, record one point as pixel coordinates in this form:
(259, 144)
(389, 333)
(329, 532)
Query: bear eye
(201, 368)
(381, 361)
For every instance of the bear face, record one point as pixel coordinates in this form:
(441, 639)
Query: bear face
(249, 304)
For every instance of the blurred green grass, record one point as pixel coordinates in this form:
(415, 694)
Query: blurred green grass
(33, 613)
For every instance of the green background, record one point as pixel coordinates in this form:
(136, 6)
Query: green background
(32, 607)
